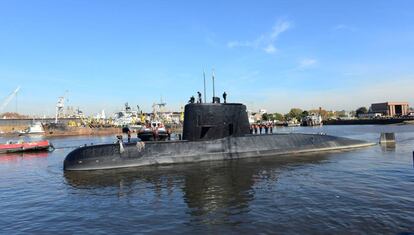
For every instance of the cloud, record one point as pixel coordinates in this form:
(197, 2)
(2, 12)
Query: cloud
(265, 42)
(307, 63)
(344, 27)
(270, 49)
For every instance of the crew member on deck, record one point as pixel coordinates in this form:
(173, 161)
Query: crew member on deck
(199, 97)
(225, 97)
(192, 99)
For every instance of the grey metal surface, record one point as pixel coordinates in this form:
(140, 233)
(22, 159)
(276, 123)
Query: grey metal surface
(207, 121)
(149, 153)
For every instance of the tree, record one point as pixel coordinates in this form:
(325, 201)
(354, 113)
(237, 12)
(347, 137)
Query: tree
(323, 113)
(305, 113)
(265, 117)
(341, 114)
(361, 110)
(294, 113)
(278, 116)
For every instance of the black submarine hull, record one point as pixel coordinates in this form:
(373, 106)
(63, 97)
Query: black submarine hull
(112, 156)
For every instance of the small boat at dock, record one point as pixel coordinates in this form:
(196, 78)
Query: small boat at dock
(35, 128)
(14, 147)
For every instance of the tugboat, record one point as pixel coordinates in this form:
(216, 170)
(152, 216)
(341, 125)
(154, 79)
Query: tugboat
(211, 131)
(11, 147)
(155, 131)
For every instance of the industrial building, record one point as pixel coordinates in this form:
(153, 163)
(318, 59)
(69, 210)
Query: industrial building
(391, 108)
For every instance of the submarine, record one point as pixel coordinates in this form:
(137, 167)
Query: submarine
(211, 131)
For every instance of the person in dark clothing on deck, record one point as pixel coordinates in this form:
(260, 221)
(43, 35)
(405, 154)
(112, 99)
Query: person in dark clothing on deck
(192, 100)
(199, 97)
(129, 136)
(225, 97)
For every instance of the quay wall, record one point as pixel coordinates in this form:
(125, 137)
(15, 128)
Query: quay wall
(29, 121)
(10, 125)
(368, 121)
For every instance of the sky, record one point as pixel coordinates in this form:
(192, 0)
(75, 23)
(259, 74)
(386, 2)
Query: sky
(266, 54)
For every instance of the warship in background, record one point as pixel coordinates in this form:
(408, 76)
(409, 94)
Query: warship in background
(128, 117)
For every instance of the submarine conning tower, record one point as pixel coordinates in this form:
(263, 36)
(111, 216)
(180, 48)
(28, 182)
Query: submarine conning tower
(208, 121)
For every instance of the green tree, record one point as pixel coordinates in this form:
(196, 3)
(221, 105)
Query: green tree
(295, 113)
(341, 113)
(305, 113)
(278, 116)
(361, 110)
(265, 117)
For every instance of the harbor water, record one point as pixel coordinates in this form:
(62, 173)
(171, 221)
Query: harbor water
(363, 191)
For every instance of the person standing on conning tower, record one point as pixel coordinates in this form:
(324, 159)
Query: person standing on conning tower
(225, 97)
(192, 99)
(199, 98)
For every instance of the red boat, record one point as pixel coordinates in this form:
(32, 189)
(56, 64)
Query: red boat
(11, 147)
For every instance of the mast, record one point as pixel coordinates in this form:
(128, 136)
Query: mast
(204, 76)
(214, 91)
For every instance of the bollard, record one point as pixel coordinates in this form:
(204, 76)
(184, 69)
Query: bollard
(387, 138)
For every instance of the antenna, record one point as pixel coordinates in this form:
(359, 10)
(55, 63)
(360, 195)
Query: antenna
(214, 91)
(204, 76)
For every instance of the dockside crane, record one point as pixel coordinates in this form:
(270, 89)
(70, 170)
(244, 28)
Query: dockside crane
(8, 99)
(60, 107)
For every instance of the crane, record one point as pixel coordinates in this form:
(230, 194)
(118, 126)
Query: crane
(60, 106)
(8, 99)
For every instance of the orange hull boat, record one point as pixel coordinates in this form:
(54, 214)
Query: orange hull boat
(23, 147)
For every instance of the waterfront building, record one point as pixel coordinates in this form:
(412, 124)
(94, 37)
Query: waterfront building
(390, 108)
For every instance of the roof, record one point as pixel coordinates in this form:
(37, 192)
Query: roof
(391, 103)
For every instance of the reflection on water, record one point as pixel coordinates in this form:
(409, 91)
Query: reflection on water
(362, 191)
(207, 187)
(389, 146)
(7, 157)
